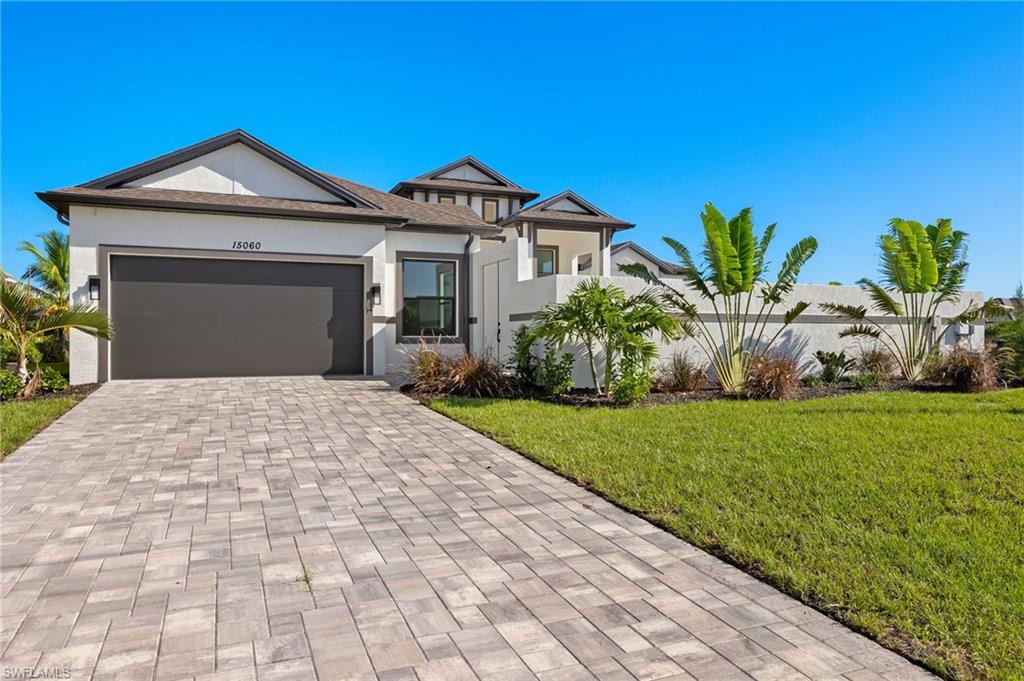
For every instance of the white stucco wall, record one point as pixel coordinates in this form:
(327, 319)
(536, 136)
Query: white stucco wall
(468, 173)
(801, 339)
(95, 226)
(236, 169)
(417, 242)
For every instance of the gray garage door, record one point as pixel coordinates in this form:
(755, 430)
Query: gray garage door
(185, 317)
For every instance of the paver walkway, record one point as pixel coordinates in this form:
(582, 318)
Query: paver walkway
(300, 528)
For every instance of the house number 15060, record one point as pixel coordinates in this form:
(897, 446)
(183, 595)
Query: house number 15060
(245, 245)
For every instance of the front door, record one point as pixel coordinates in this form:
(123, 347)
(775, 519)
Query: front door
(495, 315)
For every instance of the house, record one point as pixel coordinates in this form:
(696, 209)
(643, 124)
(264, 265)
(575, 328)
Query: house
(229, 258)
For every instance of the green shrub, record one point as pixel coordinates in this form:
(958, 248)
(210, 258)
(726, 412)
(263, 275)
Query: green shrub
(523, 363)
(555, 374)
(633, 382)
(813, 380)
(834, 365)
(772, 378)
(10, 384)
(52, 380)
(51, 348)
(1009, 334)
(868, 379)
(681, 374)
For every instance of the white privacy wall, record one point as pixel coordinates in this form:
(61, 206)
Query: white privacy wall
(811, 332)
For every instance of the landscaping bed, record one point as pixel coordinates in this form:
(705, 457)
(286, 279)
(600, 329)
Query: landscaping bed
(900, 513)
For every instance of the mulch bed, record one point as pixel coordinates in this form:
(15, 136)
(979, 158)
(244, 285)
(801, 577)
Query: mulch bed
(77, 392)
(587, 398)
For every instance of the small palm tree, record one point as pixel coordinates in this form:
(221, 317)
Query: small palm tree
(922, 268)
(733, 279)
(25, 318)
(52, 265)
(608, 323)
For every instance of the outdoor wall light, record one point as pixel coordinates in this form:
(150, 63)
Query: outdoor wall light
(375, 294)
(94, 288)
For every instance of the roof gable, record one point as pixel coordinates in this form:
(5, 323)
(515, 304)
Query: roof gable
(232, 163)
(569, 201)
(468, 169)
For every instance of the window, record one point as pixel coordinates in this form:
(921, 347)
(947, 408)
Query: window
(547, 260)
(428, 298)
(446, 198)
(490, 210)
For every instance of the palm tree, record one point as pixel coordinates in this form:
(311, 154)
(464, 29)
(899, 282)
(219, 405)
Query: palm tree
(25, 318)
(52, 267)
(733, 280)
(924, 267)
(606, 322)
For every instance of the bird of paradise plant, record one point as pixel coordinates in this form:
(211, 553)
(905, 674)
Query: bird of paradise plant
(733, 279)
(922, 268)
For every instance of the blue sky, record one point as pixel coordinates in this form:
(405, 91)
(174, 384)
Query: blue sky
(826, 118)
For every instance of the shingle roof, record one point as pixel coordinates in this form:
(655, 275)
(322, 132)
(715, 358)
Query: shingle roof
(466, 186)
(355, 202)
(501, 184)
(664, 266)
(541, 212)
(415, 211)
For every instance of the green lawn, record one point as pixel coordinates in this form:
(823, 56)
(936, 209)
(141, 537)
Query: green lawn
(901, 514)
(19, 421)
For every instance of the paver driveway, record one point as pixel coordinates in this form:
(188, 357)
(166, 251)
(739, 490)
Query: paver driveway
(291, 527)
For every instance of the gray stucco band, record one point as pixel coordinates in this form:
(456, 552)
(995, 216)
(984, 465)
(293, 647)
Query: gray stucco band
(104, 251)
(772, 319)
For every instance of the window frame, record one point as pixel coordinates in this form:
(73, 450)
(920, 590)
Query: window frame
(554, 260)
(441, 197)
(459, 260)
(483, 209)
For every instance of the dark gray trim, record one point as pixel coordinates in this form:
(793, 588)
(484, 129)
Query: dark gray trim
(461, 295)
(536, 268)
(772, 319)
(446, 229)
(413, 185)
(565, 225)
(476, 163)
(104, 251)
(575, 198)
(60, 202)
(383, 319)
(219, 142)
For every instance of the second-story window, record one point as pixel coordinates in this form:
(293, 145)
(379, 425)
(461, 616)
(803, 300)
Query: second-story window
(490, 210)
(446, 198)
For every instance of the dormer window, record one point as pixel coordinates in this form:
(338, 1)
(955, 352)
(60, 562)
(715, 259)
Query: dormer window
(490, 210)
(446, 198)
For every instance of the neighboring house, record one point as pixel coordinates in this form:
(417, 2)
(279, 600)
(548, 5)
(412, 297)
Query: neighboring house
(229, 258)
(629, 253)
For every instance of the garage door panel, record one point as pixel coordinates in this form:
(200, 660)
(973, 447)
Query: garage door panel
(179, 317)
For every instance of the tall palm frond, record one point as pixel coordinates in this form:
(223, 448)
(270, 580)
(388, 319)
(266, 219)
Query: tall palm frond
(52, 266)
